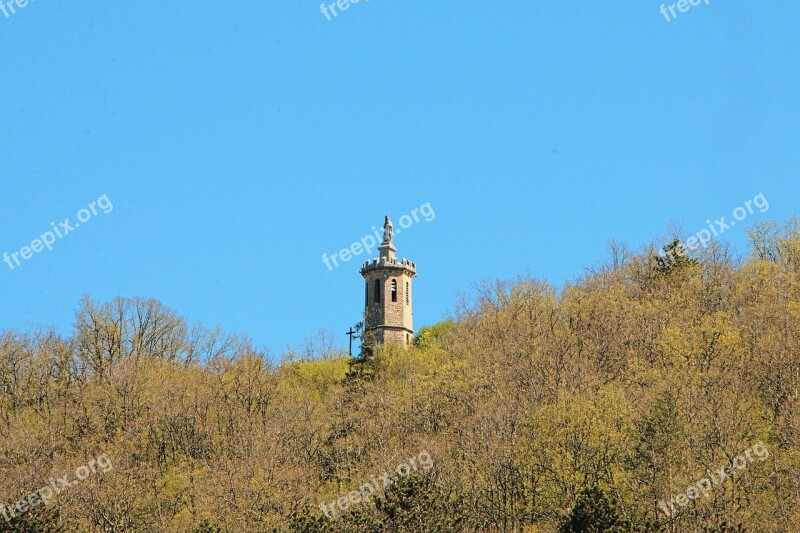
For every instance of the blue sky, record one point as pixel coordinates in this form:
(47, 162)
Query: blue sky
(238, 142)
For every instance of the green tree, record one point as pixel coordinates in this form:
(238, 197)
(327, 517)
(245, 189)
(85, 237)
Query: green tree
(594, 512)
(415, 504)
(675, 257)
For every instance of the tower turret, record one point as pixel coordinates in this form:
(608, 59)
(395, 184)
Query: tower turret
(387, 295)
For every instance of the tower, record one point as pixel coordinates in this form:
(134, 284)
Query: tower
(387, 295)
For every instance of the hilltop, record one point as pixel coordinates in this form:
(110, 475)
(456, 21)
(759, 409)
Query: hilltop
(612, 401)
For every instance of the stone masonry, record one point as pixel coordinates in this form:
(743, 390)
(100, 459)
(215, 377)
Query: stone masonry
(388, 318)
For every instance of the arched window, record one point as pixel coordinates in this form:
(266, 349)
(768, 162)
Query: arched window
(408, 293)
(377, 291)
(394, 290)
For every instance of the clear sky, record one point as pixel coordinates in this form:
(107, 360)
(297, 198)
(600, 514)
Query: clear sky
(239, 141)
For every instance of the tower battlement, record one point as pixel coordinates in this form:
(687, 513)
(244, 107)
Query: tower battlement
(374, 264)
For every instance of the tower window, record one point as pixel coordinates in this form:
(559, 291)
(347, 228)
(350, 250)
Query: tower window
(407, 293)
(394, 290)
(377, 291)
(366, 294)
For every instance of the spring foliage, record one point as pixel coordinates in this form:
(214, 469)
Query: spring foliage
(544, 410)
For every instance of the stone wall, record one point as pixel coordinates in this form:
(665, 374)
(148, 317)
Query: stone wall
(393, 321)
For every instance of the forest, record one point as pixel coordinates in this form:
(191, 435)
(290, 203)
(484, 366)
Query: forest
(647, 395)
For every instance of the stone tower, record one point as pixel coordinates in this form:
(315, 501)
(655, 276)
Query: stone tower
(387, 295)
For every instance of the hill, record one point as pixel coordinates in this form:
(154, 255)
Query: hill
(646, 396)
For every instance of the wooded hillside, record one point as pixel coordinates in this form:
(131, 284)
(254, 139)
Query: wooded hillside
(619, 391)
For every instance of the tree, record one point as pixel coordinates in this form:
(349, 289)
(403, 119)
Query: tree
(675, 257)
(594, 512)
(415, 504)
(36, 520)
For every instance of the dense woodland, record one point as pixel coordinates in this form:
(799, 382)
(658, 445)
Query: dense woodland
(542, 409)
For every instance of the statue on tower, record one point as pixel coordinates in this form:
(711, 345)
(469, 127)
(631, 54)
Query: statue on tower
(387, 231)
